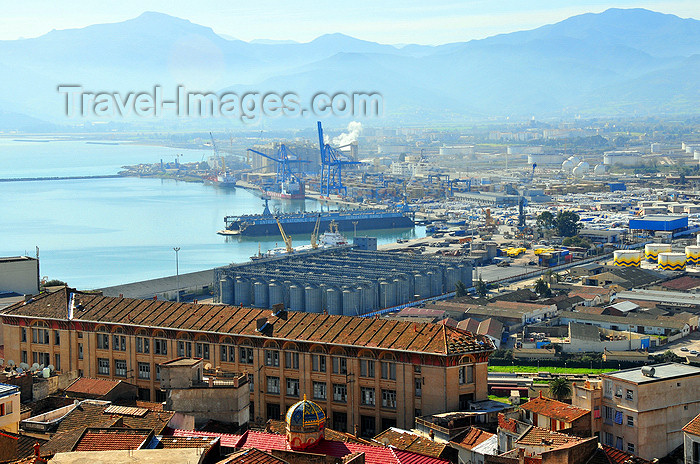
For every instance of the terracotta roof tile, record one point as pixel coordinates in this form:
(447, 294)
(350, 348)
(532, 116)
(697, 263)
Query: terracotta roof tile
(252, 456)
(411, 442)
(537, 436)
(474, 437)
(693, 426)
(89, 386)
(555, 409)
(110, 439)
(309, 327)
(616, 456)
(187, 442)
(508, 424)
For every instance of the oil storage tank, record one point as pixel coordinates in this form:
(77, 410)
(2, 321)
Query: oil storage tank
(692, 255)
(652, 250)
(627, 258)
(672, 261)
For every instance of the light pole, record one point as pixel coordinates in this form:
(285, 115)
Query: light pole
(354, 223)
(177, 272)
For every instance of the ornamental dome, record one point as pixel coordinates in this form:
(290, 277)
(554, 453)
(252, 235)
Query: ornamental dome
(306, 422)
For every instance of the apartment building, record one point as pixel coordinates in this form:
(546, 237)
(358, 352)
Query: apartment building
(644, 409)
(365, 372)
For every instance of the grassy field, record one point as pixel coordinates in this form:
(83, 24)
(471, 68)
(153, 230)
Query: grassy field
(552, 369)
(501, 399)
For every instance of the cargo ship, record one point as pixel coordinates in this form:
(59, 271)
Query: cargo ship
(303, 223)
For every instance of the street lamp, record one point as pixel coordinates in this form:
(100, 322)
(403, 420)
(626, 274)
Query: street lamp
(177, 272)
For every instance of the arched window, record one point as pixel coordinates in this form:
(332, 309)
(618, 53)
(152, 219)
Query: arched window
(318, 359)
(184, 345)
(291, 356)
(143, 342)
(102, 338)
(40, 333)
(118, 340)
(245, 352)
(388, 364)
(201, 347)
(339, 361)
(367, 364)
(160, 345)
(228, 350)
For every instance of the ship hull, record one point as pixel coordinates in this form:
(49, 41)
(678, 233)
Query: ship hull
(347, 223)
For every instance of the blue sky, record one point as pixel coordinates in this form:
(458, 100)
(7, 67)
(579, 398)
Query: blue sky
(388, 21)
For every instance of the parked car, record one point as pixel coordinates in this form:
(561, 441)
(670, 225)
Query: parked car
(684, 349)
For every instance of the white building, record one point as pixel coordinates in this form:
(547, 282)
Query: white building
(19, 274)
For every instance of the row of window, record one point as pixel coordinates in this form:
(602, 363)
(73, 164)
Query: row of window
(608, 388)
(616, 442)
(120, 369)
(41, 336)
(40, 358)
(320, 392)
(611, 415)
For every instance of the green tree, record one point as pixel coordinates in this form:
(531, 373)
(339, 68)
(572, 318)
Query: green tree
(542, 289)
(460, 288)
(560, 388)
(567, 223)
(546, 220)
(482, 288)
(577, 241)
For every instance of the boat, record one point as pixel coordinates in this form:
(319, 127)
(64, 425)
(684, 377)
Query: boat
(347, 221)
(226, 179)
(286, 190)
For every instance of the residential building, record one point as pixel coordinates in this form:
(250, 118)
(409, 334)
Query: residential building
(366, 372)
(554, 415)
(644, 409)
(19, 274)
(9, 408)
(475, 445)
(589, 395)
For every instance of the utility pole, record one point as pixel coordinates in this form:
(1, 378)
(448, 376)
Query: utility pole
(177, 272)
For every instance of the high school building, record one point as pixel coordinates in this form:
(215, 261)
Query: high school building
(365, 372)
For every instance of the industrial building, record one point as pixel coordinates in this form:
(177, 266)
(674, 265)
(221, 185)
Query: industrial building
(345, 281)
(659, 223)
(364, 372)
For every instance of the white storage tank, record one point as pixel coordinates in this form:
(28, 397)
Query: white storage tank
(692, 255)
(599, 169)
(652, 250)
(567, 165)
(627, 258)
(672, 261)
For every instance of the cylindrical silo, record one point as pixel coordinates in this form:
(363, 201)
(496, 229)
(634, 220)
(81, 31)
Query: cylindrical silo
(261, 297)
(387, 294)
(467, 275)
(652, 250)
(451, 278)
(402, 294)
(241, 295)
(226, 291)
(351, 302)
(296, 298)
(435, 282)
(275, 293)
(671, 261)
(692, 255)
(422, 286)
(333, 301)
(627, 258)
(313, 300)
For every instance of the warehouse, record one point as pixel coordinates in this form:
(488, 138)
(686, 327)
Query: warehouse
(341, 281)
(659, 223)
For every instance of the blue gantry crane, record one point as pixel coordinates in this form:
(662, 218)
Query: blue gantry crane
(332, 162)
(284, 159)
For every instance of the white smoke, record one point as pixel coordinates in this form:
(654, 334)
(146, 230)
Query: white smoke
(353, 132)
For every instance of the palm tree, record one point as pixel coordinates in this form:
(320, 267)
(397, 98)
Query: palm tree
(560, 388)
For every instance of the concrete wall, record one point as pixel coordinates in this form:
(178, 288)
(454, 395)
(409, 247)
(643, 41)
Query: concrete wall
(19, 275)
(42, 388)
(217, 403)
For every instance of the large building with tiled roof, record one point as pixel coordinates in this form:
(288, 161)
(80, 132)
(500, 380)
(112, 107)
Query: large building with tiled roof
(365, 372)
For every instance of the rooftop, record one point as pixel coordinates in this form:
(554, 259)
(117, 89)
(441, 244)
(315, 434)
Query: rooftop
(297, 326)
(6, 389)
(473, 437)
(89, 386)
(103, 439)
(537, 436)
(664, 371)
(693, 426)
(408, 441)
(554, 409)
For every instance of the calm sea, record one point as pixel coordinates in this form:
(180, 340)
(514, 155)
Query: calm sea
(102, 232)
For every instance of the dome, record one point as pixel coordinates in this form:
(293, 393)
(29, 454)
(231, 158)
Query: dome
(306, 423)
(305, 413)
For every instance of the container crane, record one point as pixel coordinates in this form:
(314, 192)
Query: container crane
(286, 238)
(332, 162)
(285, 158)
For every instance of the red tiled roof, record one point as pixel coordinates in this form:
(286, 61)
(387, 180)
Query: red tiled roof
(411, 442)
(299, 326)
(508, 424)
(537, 436)
(693, 426)
(251, 456)
(111, 439)
(89, 386)
(469, 324)
(474, 437)
(616, 456)
(271, 441)
(682, 283)
(554, 409)
(187, 442)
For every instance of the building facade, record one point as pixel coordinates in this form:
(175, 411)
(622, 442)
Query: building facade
(645, 409)
(365, 372)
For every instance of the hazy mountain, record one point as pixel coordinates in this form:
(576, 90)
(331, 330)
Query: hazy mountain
(616, 62)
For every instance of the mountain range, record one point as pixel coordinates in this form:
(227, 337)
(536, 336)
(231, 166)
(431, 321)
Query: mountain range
(620, 62)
